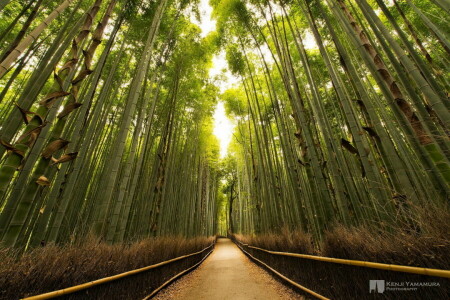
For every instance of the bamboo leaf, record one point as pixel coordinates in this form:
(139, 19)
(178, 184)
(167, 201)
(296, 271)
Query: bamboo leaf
(52, 97)
(371, 132)
(83, 74)
(24, 113)
(53, 147)
(43, 181)
(346, 144)
(87, 59)
(10, 147)
(69, 65)
(66, 158)
(32, 135)
(68, 109)
(58, 79)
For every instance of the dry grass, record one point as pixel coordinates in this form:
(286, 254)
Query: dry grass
(54, 267)
(286, 240)
(423, 241)
(424, 244)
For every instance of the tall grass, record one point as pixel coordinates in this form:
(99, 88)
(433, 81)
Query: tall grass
(54, 267)
(422, 241)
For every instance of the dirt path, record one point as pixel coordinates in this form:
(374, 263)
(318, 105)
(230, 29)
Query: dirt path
(227, 274)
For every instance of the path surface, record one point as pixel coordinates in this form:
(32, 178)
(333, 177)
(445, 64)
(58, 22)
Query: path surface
(227, 274)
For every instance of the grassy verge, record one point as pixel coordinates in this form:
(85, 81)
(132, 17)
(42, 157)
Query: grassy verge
(53, 267)
(425, 244)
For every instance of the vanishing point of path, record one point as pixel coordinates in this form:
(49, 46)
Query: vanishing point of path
(227, 274)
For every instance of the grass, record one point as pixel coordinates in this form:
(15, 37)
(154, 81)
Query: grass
(54, 267)
(422, 242)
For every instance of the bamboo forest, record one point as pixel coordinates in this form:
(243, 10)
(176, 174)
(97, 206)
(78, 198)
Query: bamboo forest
(289, 149)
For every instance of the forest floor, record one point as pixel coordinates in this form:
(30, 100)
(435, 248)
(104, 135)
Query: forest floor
(227, 274)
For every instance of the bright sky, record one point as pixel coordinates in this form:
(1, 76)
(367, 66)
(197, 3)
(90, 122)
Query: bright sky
(206, 24)
(223, 127)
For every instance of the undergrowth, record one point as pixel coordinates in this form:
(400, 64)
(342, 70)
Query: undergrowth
(54, 267)
(423, 241)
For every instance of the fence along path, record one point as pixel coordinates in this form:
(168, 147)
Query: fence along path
(227, 274)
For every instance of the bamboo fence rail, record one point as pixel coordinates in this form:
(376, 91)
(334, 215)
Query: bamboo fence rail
(90, 284)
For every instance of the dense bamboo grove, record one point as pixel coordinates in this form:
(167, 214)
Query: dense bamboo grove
(106, 122)
(341, 112)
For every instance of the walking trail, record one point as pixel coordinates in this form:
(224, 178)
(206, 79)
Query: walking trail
(227, 274)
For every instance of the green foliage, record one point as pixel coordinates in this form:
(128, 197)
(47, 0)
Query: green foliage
(235, 59)
(235, 102)
(141, 126)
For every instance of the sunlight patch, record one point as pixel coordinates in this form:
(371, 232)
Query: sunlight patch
(206, 24)
(223, 128)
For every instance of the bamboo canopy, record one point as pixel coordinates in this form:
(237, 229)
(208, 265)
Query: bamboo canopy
(340, 112)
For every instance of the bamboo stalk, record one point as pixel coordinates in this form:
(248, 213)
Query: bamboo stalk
(32, 36)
